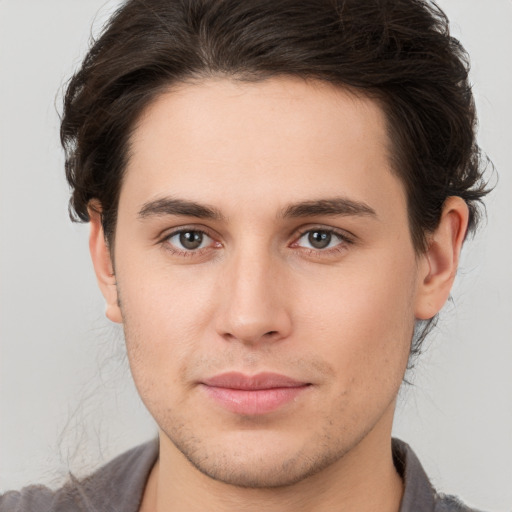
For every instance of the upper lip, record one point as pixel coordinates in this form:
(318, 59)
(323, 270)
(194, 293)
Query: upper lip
(260, 381)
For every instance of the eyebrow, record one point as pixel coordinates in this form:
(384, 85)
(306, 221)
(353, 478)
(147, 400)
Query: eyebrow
(173, 206)
(336, 206)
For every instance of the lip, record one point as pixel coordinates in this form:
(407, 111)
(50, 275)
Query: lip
(253, 394)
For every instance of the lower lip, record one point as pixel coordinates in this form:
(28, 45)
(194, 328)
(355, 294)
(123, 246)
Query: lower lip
(253, 402)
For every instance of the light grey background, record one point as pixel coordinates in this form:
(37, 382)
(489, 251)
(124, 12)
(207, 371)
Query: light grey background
(66, 398)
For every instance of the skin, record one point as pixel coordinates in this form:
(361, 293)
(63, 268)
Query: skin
(258, 296)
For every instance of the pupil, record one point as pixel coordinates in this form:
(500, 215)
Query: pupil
(191, 239)
(319, 239)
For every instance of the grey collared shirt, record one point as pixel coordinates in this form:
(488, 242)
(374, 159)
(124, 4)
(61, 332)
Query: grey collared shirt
(118, 487)
(419, 494)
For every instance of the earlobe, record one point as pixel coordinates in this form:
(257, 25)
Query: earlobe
(439, 263)
(102, 262)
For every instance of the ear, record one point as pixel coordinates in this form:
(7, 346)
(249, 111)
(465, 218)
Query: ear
(439, 263)
(102, 262)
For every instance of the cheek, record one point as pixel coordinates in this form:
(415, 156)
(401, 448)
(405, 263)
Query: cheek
(366, 339)
(165, 318)
(365, 322)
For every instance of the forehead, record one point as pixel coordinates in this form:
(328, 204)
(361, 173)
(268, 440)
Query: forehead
(282, 138)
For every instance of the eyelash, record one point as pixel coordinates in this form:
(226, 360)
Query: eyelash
(165, 241)
(344, 240)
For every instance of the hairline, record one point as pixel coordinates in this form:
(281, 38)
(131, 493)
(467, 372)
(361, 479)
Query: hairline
(199, 78)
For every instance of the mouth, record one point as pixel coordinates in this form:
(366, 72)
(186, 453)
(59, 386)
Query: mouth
(253, 394)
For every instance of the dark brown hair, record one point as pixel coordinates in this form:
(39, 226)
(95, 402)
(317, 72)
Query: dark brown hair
(399, 52)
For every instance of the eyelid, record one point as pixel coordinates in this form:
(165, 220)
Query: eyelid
(168, 232)
(342, 233)
(163, 239)
(346, 238)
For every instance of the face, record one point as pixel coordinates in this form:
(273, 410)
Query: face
(265, 274)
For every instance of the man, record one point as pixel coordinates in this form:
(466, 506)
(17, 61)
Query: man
(278, 195)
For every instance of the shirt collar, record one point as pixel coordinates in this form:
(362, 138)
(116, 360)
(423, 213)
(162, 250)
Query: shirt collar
(419, 495)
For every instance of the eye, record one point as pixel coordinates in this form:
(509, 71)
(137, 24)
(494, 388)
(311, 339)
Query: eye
(189, 240)
(320, 239)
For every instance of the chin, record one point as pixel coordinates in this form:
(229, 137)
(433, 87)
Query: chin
(253, 462)
(260, 474)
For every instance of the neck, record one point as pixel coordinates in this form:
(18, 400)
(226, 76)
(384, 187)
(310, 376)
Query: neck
(364, 479)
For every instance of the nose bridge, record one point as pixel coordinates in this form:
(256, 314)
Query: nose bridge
(253, 306)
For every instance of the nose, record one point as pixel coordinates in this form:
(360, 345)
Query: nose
(253, 303)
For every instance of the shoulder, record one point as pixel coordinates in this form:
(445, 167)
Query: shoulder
(116, 486)
(33, 498)
(419, 494)
(446, 503)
